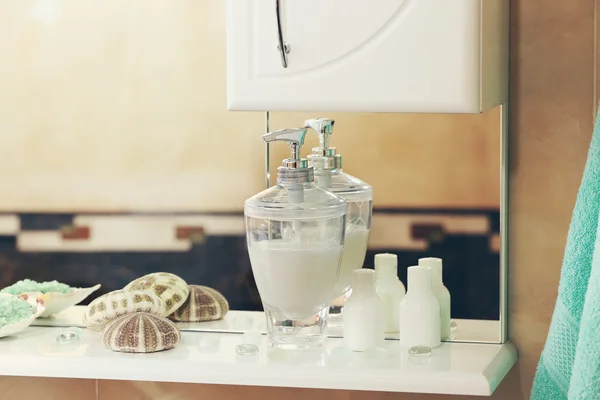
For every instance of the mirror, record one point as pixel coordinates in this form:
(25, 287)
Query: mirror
(437, 193)
(118, 161)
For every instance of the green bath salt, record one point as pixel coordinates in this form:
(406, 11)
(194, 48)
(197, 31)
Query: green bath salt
(13, 310)
(27, 285)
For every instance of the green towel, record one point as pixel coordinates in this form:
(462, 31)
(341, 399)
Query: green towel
(585, 380)
(570, 363)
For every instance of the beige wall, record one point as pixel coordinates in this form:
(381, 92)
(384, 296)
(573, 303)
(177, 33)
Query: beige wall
(122, 107)
(552, 87)
(552, 100)
(415, 160)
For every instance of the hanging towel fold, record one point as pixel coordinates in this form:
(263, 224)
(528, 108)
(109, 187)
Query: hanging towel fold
(585, 380)
(570, 363)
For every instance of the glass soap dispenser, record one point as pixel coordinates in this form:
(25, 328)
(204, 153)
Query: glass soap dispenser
(358, 194)
(295, 234)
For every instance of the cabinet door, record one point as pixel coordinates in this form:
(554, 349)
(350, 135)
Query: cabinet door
(356, 55)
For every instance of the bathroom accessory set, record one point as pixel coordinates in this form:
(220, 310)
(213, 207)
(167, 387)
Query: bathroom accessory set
(307, 239)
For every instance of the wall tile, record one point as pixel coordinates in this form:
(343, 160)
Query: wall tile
(394, 231)
(414, 160)
(109, 390)
(21, 388)
(552, 85)
(122, 108)
(9, 224)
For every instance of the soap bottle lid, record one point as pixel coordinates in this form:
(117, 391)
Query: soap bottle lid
(293, 169)
(419, 279)
(323, 157)
(386, 266)
(435, 264)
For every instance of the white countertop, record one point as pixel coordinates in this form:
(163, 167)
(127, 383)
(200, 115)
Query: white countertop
(210, 357)
(480, 331)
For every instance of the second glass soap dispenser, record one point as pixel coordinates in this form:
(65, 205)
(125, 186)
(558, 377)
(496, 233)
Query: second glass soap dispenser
(358, 195)
(295, 235)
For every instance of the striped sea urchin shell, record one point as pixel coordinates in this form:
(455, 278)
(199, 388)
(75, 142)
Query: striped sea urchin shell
(203, 304)
(119, 302)
(172, 290)
(140, 333)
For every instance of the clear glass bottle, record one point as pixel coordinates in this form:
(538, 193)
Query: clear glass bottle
(295, 234)
(358, 195)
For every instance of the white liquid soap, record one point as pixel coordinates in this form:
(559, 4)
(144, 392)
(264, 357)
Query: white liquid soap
(364, 315)
(440, 291)
(295, 278)
(327, 164)
(353, 257)
(420, 311)
(295, 232)
(389, 289)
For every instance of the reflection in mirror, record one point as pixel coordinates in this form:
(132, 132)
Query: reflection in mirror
(436, 183)
(109, 173)
(436, 194)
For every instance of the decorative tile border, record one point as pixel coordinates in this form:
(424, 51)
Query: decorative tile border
(405, 229)
(10, 224)
(111, 249)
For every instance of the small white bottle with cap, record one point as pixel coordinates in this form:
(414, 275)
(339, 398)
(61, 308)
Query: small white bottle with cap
(364, 321)
(389, 289)
(420, 311)
(440, 291)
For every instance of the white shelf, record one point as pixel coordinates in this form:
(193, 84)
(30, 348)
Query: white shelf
(210, 357)
(480, 331)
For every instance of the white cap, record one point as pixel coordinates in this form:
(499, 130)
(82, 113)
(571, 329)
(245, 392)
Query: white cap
(386, 265)
(419, 278)
(436, 268)
(363, 279)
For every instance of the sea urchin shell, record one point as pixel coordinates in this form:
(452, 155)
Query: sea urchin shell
(203, 304)
(172, 290)
(119, 302)
(140, 333)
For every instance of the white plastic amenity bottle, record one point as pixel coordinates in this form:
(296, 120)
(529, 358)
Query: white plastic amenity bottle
(389, 289)
(420, 311)
(440, 291)
(364, 315)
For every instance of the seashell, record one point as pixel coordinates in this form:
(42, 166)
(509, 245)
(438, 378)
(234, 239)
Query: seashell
(119, 302)
(57, 296)
(37, 308)
(203, 304)
(140, 333)
(57, 302)
(171, 289)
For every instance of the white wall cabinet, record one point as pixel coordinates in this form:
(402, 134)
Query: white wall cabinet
(423, 56)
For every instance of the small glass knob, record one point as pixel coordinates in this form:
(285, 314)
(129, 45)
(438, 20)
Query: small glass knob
(246, 349)
(419, 351)
(453, 327)
(69, 336)
(419, 355)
